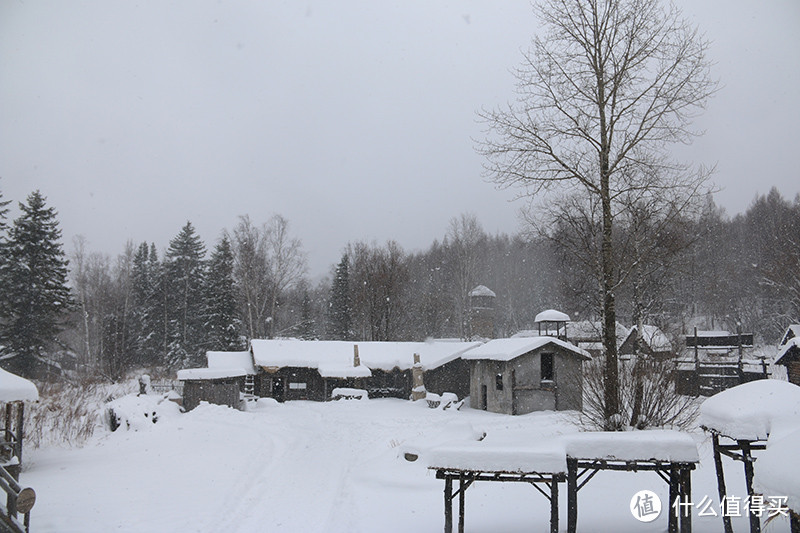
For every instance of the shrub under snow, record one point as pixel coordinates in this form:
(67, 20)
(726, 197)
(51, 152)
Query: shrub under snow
(139, 412)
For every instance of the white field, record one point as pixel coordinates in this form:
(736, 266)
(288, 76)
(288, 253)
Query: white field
(313, 467)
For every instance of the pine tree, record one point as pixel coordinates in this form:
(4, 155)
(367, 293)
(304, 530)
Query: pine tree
(185, 271)
(221, 324)
(339, 309)
(155, 329)
(36, 292)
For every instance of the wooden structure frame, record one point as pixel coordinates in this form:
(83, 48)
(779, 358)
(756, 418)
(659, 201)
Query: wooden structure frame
(677, 474)
(738, 450)
(466, 478)
(18, 499)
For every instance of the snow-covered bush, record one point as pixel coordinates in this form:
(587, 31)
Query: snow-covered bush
(345, 393)
(139, 411)
(68, 414)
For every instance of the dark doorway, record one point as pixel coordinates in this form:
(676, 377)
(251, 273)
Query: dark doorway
(484, 398)
(277, 389)
(513, 392)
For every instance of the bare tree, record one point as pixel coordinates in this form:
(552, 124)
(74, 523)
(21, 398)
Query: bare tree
(602, 93)
(462, 240)
(286, 263)
(251, 273)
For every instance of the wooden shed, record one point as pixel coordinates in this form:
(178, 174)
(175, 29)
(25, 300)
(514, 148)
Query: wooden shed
(228, 375)
(789, 353)
(521, 375)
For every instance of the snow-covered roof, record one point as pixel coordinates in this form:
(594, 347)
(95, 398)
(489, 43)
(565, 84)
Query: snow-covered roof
(243, 360)
(328, 370)
(656, 444)
(784, 349)
(656, 339)
(751, 410)
(14, 388)
(478, 456)
(195, 374)
(712, 333)
(777, 471)
(792, 332)
(482, 290)
(551, 315)
(588, 331)
(373, 355)
(508, 349)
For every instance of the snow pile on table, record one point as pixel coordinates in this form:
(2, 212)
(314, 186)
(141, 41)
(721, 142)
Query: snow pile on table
(139, 412)
(656, 444)
(447, 433)
(751, 410)
(542, 457)
(345, 393)
(14, 388)
(442, 401)
(777, 470)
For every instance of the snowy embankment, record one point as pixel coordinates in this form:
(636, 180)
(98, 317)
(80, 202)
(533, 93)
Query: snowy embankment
(314, 467)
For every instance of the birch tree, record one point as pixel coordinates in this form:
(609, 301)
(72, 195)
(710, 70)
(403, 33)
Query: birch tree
(604, 90)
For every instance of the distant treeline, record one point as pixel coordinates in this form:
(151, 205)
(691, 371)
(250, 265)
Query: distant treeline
(102, 315)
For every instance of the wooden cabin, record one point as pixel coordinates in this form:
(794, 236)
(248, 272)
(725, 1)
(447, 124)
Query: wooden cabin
(292, 369)
(789, 353)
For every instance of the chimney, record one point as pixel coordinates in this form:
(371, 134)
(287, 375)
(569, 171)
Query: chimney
(356, 359)
(418, 391)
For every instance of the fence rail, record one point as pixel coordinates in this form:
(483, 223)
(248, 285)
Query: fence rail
(164, 386)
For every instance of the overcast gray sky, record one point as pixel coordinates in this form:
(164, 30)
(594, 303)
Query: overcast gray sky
(353, 119)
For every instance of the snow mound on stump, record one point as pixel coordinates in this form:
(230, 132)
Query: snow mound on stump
(139, 412)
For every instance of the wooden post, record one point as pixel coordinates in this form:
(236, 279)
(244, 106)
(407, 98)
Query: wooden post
(747, 457)
(674, 496)
(461, 492)
(553, 506)
(448, 504)
(18, 439)
(686, 492)
(572, 495)
(726, 519)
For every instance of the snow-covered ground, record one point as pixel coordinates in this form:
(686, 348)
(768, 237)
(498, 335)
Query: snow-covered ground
(308, 467)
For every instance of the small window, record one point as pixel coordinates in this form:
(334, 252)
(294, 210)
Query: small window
(547, 366)
(297, 386)
(498, 382)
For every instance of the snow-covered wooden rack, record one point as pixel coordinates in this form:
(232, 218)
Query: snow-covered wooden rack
(670, 454)
(740, 421)
(543, 467)
(574, 460)
(14, 391)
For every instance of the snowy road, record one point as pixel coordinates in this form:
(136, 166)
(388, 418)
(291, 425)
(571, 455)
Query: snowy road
(312, 467)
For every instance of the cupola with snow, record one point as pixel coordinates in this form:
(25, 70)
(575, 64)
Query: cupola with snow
(552, 323)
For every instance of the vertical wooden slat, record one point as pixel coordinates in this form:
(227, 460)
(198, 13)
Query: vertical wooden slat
(448, 505)
(572, 495)
(461, 495)
(755, 521)
(726, 519)
(674, 497)
(686, 493)
(554, 506)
